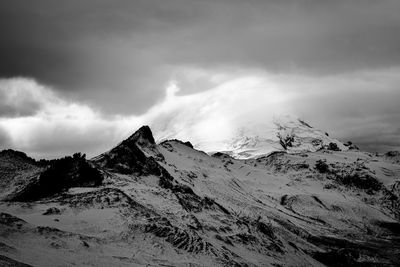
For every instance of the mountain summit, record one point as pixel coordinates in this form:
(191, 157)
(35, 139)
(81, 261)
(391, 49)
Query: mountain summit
(284, 133)
(142, 136)
(133, 155)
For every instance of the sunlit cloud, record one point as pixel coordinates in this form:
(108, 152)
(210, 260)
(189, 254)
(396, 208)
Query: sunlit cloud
(360, 106)
(55, 126)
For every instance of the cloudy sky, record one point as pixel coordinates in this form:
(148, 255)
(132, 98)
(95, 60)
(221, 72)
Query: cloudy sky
(80, 75)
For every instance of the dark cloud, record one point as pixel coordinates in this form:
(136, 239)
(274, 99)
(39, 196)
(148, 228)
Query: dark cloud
(120, 54)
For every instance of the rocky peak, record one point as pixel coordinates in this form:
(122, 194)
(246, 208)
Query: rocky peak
(144, 140)
(133, 154)
(142, 136)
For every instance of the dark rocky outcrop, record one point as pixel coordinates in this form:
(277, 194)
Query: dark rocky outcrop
(321, 166)
(305, 123)
(143, 136)
(222, 155)
(135, 155)
(52, 211)
(62, 174)
(180, 238)
(350, 175)
(351, 146)
(16, 171)
(360, 180)
(279, 161)
(392, 156)
(333, 147)
(189, 200)
(286, 141)
(187, 143)
(190, 241)
(10, 220)
(17, 154)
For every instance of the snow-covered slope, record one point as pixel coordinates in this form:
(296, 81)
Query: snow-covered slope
(168, 204)
(285, 133)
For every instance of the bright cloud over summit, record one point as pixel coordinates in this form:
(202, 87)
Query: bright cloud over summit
(39, 121)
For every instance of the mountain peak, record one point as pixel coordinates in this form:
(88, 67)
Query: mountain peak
(132, 155)
(143, 135)
(282, 133)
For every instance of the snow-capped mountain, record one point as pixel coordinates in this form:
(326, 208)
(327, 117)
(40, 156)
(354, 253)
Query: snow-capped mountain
(285, 133)
(168, 204)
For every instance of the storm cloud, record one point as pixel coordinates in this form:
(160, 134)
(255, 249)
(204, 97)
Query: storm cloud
(119, 55)
(101, 68)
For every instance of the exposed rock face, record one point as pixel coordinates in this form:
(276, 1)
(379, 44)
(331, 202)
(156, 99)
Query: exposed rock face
(392, 156)
(52, 211)
(143, 136)
(333, 146)
(62, 174)
(187, 143)
(286, 141)
(16, 171)
(351, 146)
(16, 156)
(169, 204)
(135, 155)
(353, 175)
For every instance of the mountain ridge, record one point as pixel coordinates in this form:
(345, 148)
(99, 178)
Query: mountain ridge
(326, 207)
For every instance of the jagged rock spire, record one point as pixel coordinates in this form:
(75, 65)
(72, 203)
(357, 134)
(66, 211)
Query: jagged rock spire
(143, 134)
(133, 154)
